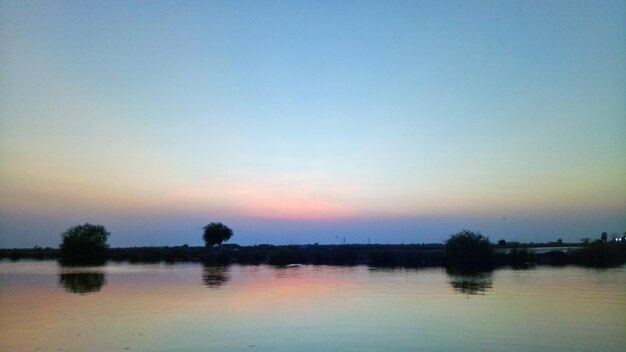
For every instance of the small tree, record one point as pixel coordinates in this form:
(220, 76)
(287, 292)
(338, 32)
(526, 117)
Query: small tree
(215, 233)
(469, 250)
(84, 244)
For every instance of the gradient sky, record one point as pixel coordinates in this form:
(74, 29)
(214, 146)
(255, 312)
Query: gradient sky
(300, 122)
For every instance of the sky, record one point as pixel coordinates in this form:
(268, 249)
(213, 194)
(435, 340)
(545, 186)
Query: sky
(298, 122)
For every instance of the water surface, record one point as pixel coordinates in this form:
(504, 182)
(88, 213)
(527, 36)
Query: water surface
(189, 307)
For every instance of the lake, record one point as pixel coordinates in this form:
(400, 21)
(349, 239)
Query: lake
(189, 307)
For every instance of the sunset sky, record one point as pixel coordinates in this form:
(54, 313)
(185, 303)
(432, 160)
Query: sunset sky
(306, 121)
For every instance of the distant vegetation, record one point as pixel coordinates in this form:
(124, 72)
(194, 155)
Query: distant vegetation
(465, 251)
(84, 244)
(601, 254)
(520, 258)
(350, 254)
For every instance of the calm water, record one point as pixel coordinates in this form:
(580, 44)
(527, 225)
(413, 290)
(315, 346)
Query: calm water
(187, 307)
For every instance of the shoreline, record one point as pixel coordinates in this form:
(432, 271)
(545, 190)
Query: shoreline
(375, 255)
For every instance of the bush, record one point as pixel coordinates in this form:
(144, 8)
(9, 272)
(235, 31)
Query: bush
(520, 258)
(216, 256)
(386, 258)
(281, 257)
(469, 250)
(601, 254)
(84, 244)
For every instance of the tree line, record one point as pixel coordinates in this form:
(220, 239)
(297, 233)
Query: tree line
(465, 250)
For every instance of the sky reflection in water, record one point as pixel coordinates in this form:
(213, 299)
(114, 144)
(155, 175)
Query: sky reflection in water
(191, 307)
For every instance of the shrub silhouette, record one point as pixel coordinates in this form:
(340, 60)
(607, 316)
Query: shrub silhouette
(84, 244)
(281, 257)
(217, 256)
(601, 254)
(520, 258)
(469, 250)
(386, 258)
(215, 233)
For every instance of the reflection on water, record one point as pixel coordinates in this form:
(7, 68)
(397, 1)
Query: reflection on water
(82, 282)
(470, 283)
(160, 307)
(215, 276)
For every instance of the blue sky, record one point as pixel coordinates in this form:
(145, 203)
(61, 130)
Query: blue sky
(298, 122)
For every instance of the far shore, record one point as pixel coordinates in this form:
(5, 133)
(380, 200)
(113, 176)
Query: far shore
(519, 255)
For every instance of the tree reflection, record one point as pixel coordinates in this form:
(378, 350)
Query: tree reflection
(215, 276)
(470, 282)
(82, 282)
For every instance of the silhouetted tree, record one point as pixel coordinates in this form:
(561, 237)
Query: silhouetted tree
(469, 250)
(502, 243)
(559, 241)
(604, 237)
(215, 233)
(84, 244)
